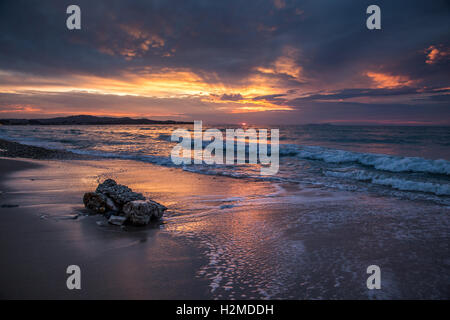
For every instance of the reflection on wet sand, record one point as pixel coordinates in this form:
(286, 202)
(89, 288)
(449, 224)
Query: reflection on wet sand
(239, 239)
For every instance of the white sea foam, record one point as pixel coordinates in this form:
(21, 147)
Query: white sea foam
(393, 182)
(378, 161)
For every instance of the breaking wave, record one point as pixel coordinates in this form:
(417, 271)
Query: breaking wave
(393, 182)
(377, 161)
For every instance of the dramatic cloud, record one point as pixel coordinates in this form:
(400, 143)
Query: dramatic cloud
(436, 54)
(265, 60)
(389, 81)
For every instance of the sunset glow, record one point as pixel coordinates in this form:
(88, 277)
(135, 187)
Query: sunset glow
(142, 66)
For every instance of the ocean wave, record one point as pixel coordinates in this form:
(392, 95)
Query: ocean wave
(393, 182)
(377, 161)
(397, 174)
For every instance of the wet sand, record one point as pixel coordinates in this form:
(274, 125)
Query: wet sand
(38, 240)
(222, 238)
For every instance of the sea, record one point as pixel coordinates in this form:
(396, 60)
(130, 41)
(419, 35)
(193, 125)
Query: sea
(403, 161)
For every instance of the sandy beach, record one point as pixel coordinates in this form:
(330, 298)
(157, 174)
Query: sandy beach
(221, 238)
(40, 238)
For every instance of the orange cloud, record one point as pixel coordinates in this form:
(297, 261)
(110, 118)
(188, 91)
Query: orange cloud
(162, 85)
(260, 107)
(383, 80)
(166, 83)
(25, 108)
(285, 65)
(246, 105)
(435, 54)
(138, 43)
(149, 82)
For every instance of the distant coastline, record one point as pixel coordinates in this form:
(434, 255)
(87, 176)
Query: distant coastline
(87, 120)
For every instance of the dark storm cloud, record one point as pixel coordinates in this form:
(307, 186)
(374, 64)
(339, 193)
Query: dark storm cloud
(227, 38)
(205, 36)
(339, 45)
(231, 97)
(370, 93)
(270, 97)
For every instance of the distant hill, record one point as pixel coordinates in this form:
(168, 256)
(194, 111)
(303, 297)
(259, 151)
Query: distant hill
(86, 120)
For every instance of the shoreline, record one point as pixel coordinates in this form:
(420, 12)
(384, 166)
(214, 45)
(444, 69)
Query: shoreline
(222, 238)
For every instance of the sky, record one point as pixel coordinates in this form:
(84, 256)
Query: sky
(255, 61)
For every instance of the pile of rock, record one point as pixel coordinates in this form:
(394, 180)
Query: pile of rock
(122, 205)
